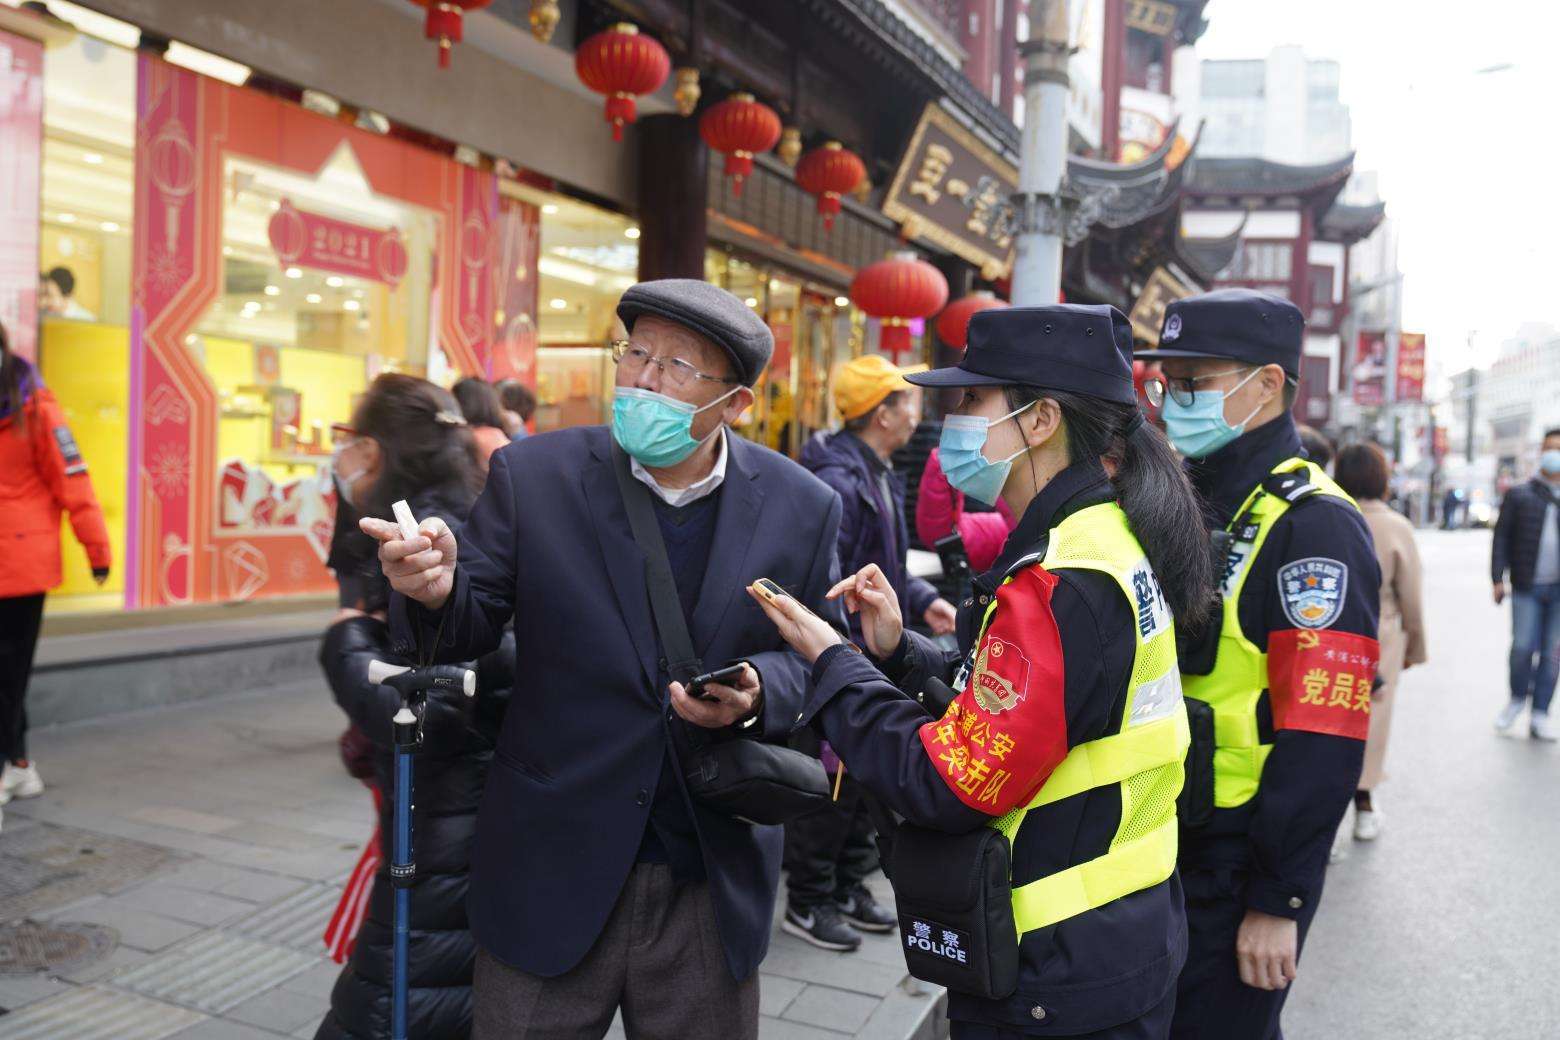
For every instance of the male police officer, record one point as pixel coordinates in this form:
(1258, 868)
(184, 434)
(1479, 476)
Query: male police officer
(1287, 670)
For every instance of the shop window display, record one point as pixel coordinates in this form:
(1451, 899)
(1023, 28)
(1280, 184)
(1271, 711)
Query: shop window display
(587, 258)
(84, 250)
(324, 285)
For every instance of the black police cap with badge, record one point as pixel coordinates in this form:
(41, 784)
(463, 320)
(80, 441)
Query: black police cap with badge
(1254, 328)
(1081, 348)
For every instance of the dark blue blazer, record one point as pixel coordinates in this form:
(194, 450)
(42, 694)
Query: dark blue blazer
(579, 757)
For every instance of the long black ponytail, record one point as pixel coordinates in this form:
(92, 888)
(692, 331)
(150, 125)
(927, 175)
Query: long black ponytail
(1161, 507)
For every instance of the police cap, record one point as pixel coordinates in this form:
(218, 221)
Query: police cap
(1254, 328)
(1078, 348)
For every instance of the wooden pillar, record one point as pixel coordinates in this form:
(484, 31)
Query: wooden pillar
(673, 197)
(1112, 76)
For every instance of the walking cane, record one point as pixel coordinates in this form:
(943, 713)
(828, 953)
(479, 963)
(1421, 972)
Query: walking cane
(413, 685)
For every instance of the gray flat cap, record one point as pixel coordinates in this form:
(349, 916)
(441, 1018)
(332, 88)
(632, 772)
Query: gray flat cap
(708, 310)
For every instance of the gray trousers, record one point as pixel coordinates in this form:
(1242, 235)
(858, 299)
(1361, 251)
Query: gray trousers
(659, 958)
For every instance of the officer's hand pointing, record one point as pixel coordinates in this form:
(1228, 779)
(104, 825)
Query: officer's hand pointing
(808, 634)
(1266, 950)
(421, 568)
(868, 593)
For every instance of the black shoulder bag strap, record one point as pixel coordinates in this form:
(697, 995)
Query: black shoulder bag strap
(681, 660)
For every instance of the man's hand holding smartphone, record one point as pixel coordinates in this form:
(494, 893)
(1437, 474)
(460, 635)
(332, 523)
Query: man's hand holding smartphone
(722, 703)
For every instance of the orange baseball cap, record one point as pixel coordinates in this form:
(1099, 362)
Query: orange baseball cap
(861, 384)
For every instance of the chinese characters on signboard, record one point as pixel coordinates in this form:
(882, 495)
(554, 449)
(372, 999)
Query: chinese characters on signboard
(1369, 371)
(954, 192)
(1411, 366)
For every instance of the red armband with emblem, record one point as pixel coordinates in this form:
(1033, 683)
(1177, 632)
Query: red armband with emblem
(1004, 734)
(1320, 681)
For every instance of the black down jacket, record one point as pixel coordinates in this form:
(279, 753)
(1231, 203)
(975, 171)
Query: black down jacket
(449, 773)
(1518, 530)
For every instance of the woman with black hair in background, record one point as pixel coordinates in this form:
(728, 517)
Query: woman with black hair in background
(407, 440)
(484, 413)
(1066, 732)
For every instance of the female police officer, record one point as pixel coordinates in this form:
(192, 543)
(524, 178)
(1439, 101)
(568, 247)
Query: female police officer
(1067, 731)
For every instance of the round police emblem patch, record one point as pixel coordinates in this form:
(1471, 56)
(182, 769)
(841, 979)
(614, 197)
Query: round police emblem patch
(1311, 591)
(1172, 329)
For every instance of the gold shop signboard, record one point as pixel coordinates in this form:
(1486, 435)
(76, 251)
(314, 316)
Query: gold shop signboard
(956, 193)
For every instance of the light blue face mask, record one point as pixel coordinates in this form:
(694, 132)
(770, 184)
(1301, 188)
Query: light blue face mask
(1199, 429)
(654, 428)
(1549, 462)
(961, 450)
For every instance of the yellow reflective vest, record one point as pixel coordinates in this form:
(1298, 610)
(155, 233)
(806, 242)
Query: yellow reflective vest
(1239, 678)
(1143, 757)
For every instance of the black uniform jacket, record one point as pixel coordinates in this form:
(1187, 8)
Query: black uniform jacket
(1074, 629)
(1283, 835)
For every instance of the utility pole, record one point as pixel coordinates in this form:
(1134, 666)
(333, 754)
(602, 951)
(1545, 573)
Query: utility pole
(1037, 269)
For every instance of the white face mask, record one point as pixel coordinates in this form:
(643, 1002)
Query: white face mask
(344, 481)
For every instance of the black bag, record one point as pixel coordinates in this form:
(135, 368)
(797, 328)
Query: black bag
(955, 902)
(759, 783)
(1194, 806)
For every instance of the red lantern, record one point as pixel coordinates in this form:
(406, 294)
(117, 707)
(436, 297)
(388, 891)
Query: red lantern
(896, 291)
(446, 22)
(829, 172)
(740, 127)
(953, 324)
(622, 64)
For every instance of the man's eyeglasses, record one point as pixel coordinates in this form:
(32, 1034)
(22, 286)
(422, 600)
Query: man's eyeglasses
(682, 374)
(1157, 388)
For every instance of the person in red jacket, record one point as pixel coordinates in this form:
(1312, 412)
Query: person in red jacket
(939, 511)
(42, 474)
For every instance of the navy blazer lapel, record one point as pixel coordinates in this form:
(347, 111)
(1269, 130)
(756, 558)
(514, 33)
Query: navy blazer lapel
(624, 561)
(736, 524)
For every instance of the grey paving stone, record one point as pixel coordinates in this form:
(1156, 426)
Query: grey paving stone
(780, 1029)
(831, 1008)
(20, 990)
(137, 928)
(222, 1029)
(279, 1010)
(275, 837)
(183, 819)
(317, 982)
(184, 904)
(234, 882)
(793, 959)
(775, 993)
(308, 1029)
(120, 959)
(312, 866)
(903, 1016)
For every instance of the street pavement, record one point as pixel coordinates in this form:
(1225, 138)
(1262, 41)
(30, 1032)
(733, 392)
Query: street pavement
(218, 833)
(1447, 926)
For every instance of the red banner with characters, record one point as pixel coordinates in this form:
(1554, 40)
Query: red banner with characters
(1411, 366)
(327, 244)
(21, 143)
(1368, 374)
(205, 529)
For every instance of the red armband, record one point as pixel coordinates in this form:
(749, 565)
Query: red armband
(1002, 737)
(1320, 681)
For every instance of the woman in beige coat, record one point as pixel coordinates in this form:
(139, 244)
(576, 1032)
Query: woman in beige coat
(1363, 472)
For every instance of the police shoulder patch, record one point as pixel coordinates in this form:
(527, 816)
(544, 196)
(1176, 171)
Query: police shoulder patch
(1312, 591)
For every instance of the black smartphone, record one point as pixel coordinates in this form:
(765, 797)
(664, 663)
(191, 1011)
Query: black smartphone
(723, 676)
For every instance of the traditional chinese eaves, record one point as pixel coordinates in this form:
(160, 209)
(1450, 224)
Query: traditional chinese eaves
(1127, 193)
(1208, 256)
(1245, 182)
(1348, 223)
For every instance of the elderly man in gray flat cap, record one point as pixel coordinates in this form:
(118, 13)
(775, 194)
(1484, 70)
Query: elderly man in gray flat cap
(597, 882)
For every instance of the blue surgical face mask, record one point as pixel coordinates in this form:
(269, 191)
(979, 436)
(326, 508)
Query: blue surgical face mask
(1549, 462)
(1199, 429)
(961, 450)
(654, 428)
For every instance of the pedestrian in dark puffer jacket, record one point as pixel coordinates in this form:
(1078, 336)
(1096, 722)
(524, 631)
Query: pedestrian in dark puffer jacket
(407, 440)
(1527, 543)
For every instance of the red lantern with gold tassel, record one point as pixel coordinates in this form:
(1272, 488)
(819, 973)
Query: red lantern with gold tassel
(622, 64)
(829, 172)
(896, 291)
(446, 23)
(739, 127)
(953, 324)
